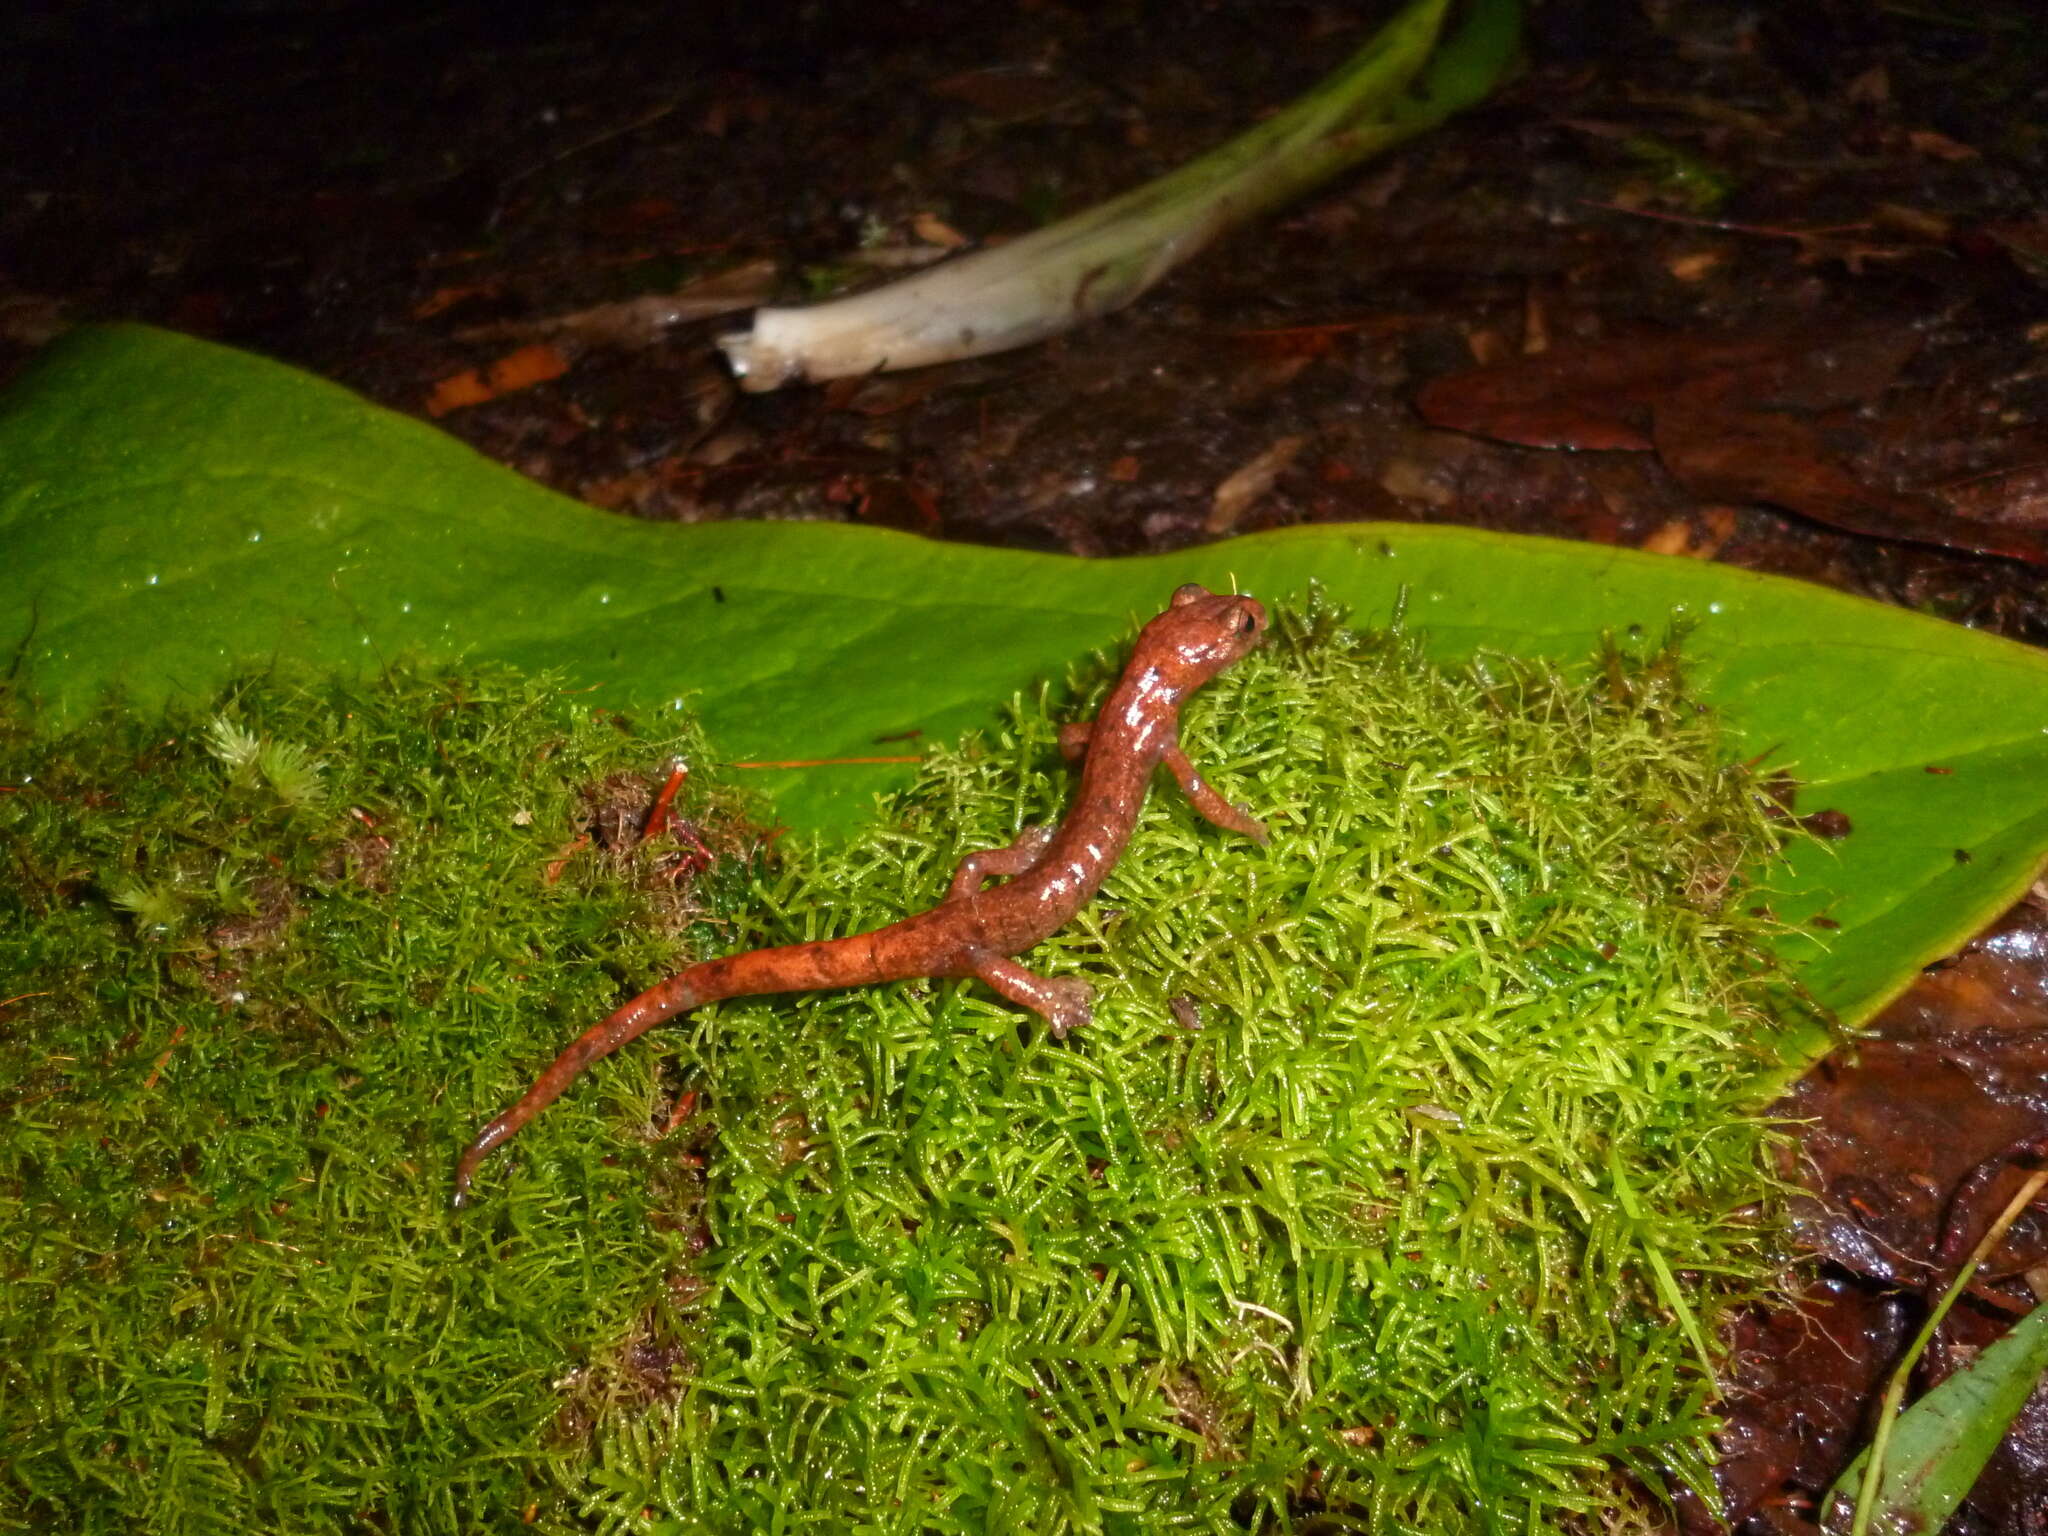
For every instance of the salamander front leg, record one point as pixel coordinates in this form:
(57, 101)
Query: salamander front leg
(1203, 797)
(977, 869)
(1216, 809)
(1064, 1002)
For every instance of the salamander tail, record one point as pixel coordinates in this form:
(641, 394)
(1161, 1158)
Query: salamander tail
(677, 995)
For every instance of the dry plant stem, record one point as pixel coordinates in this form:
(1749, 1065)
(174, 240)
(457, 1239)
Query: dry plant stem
(1895, 1392)
(657, 818)
(1104, 258)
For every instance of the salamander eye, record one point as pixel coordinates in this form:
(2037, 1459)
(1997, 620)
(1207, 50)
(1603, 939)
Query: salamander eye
(1246, 624)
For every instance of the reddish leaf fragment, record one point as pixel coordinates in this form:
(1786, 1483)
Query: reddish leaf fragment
(1728, 417)
(2016, 496)
(890, 501)
(1722, 452)
(446, 298)
(1007, 93)
(2025, 241)
(876, 395)
(1604, 395)
(1585, 397)
(514, 371)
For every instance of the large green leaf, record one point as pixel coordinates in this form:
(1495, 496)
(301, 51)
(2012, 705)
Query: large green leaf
(1942, 1442)
(170, 510)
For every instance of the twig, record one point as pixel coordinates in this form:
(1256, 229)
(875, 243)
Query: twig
(686, 1101)
(156, 1071)
(658, 813)
(1727, 225)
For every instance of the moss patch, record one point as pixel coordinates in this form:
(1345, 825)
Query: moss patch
(266, 969)
(1400, 1180)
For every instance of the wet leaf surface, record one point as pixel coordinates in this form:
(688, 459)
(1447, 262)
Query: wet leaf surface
(248, 510)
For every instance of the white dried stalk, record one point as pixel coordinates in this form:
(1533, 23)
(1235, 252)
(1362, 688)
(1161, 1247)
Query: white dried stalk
(1105, 257)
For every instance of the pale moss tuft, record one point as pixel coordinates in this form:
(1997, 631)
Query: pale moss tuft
(289, 770)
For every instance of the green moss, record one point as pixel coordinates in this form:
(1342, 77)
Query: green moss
(267, 968)
(1399, 1182)
(1402, 1177)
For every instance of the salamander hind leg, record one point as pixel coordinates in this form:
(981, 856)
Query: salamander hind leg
(977, 869)
(1064, 1002)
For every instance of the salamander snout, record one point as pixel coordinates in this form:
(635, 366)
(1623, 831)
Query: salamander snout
(1203, 632)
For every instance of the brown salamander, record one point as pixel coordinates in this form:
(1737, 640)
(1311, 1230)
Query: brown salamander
(1052, 872)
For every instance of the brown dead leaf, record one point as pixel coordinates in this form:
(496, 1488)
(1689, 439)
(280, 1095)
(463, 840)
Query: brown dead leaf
(1007, 94)
(1602, 395)
(1680, 536)
(2017, 496)
(1733, 419)
(1669, 538)
(32, 319)
(1939, 146)
(933, 230)
(1723, 449)
(2026, 241)
(1920, 223)
(874, 394)
(448, 297)
(1691, 266)
(1407, 480)
(1596, 396)
(1243, 487)
(1873, 87)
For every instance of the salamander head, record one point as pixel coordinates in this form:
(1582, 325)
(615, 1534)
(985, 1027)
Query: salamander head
(1200, 634)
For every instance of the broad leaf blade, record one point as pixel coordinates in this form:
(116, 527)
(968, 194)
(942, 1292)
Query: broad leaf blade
(1940, 1444)
(172, 510)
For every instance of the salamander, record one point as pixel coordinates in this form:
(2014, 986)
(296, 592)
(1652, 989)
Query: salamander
(1049, 873)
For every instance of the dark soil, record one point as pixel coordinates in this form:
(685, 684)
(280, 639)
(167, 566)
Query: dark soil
(1759, 284)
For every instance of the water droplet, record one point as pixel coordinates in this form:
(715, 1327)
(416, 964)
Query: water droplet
(152, 578)
(255, 535)
(1713, 607)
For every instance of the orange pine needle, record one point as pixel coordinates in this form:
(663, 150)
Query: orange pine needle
(828, 762)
